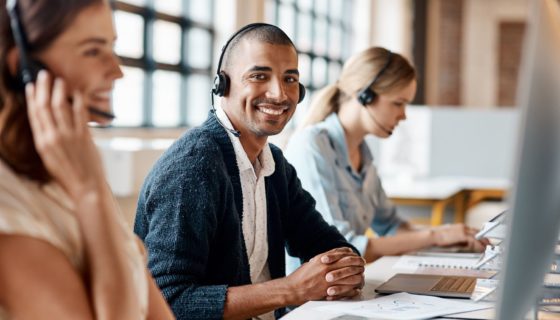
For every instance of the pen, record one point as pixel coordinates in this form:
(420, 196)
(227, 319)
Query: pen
(498, 216)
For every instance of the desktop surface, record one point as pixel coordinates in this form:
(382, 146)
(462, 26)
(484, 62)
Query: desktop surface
(376, 273)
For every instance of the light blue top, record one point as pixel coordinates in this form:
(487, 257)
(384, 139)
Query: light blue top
(351, 201)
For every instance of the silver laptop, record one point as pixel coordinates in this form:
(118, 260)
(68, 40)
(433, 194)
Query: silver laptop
(431, 285)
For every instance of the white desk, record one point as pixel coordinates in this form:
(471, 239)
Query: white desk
(438, 192)
(376, 273)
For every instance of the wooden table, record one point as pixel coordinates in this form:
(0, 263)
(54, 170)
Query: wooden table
(439, 192)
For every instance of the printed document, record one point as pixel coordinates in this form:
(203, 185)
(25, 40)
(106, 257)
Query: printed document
(404, 306)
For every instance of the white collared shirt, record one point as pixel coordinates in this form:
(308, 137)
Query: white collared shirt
(254, 222)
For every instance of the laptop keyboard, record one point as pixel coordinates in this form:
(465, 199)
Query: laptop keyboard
(455, 284)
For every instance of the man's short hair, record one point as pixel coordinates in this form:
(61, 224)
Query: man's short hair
(266, 33)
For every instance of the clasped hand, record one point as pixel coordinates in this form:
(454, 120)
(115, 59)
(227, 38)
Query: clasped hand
(333, 275)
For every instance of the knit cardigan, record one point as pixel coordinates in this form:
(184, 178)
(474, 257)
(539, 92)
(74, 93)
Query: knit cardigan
(189, 216)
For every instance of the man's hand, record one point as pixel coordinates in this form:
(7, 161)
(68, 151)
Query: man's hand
(335, 274)
(346, 279)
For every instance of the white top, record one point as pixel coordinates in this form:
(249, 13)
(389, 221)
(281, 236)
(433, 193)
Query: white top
(254, 222)
(47, 213)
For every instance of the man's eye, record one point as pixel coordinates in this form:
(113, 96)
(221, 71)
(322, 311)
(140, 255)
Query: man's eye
(258, 76)
(291, 80)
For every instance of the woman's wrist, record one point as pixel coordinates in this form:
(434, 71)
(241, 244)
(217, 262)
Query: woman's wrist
(432, 236)
(86, 190)
(91, 199)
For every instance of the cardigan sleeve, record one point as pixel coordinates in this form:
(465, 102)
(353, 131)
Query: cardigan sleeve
(307, 233)
(177, 220)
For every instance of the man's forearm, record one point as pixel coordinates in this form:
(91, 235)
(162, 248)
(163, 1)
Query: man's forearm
(248, 301)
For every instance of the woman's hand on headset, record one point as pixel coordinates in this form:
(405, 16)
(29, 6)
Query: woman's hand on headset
(62, 137)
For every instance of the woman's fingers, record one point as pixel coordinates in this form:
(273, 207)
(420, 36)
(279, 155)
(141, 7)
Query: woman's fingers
(61, 110)
(31, 109)
(79, 113)
(42, 101)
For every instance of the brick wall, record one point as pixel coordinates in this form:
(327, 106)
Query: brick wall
(450, 46)
(510, 47)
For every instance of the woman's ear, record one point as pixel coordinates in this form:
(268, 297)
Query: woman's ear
(12, 59)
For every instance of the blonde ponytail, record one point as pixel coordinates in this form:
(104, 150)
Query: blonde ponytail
(323, 104)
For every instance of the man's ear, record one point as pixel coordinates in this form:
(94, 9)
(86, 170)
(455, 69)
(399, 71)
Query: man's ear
(12, 59)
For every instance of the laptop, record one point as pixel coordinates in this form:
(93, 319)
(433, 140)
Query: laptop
(431, 285)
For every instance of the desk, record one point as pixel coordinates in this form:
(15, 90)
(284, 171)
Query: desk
(438, 192)
(376, 273)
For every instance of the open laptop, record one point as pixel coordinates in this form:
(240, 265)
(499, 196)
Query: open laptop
(431, 285)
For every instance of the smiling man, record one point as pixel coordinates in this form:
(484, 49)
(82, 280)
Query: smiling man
(220, 206)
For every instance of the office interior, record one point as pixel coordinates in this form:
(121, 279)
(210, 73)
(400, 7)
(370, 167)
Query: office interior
(460, 136)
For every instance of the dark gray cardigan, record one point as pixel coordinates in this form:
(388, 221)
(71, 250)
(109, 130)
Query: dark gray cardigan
(189, 216)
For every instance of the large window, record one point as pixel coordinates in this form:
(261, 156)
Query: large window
(166, 52)
(322, 32)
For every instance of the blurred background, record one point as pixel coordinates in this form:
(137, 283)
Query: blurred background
(456, 148)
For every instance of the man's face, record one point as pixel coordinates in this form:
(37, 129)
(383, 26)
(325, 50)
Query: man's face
(264, 87)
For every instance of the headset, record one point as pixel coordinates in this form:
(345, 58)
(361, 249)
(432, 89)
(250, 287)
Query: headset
(367, 95)
(221, 80)
(28, 67)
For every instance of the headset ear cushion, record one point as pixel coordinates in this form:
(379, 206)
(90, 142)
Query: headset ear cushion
(301, 93)
(366, 96)
(221, 84)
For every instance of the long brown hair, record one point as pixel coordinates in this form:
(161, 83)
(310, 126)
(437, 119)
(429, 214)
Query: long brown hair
(43, 21)
(356, 73)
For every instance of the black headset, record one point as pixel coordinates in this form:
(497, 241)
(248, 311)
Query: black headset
(221, 80)
(29, 68)
(367, 95)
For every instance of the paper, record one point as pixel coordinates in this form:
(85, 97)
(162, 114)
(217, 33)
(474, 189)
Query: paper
(404, 306)
(485, 290)
(492, 259)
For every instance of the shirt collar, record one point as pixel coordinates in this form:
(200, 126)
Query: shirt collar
(265, 157)
(338, 138)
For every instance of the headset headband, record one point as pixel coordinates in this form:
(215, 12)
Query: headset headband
(20, 40)
(240, 31)
(382, 71)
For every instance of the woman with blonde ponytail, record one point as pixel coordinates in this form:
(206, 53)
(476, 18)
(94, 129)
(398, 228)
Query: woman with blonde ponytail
(335, 164)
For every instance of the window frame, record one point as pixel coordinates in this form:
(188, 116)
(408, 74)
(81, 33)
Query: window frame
(149, 65)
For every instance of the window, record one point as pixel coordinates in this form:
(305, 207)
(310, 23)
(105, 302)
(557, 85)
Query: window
(322, 32)
(166, 50)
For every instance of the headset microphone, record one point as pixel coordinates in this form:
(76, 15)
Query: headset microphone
(379, 125)
(366, 96)
(236, 133)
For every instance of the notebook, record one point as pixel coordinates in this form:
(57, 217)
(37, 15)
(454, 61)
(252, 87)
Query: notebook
(458, 265)
(431, 285)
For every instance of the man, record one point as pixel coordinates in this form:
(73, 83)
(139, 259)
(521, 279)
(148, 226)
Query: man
(220, 206)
